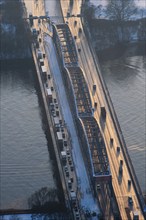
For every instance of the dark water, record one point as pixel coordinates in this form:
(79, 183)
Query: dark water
(25, 163)
(126, 81)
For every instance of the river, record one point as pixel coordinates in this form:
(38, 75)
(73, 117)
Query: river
(26, 165)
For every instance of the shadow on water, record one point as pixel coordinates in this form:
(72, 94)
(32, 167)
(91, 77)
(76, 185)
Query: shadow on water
(46, 129)
(45, 200)
(20, 70)
(120, 50)
(28, 79)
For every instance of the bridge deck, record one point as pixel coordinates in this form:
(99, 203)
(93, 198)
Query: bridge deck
(81, 91)
(97, 151)
(67, 45)
(96, 146)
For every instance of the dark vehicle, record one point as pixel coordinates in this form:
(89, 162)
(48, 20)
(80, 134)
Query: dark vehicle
(75, 22)
(130, 201)
(80, 30)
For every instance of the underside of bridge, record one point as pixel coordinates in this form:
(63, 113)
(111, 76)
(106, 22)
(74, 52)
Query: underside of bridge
(96, 154)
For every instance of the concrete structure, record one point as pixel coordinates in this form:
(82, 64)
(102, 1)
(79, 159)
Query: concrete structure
(97, 127)
(93, 143)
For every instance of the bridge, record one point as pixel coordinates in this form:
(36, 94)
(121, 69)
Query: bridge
(102, 149)
(95, 148)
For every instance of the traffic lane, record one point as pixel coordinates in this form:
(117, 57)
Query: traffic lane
(79, 163)
(87, 67)
(123, 183)
(126, 173)
(87, 64)
(73, 8)
(89, 77)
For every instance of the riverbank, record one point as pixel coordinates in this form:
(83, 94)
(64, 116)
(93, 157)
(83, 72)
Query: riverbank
(120, 50)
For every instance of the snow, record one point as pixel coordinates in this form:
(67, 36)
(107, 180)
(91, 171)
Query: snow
(87, 199)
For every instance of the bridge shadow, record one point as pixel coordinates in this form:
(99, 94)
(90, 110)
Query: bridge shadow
(129, 187)
(120, 179)
(117, 153)
(102, 123)
(71, 5)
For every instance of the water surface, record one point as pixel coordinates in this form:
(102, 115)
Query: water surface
(25, 161)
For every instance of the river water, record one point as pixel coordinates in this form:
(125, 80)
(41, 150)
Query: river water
(126, 80)
(25, 163)
(25, 152)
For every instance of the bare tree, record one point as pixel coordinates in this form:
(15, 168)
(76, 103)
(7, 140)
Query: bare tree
(121, 11)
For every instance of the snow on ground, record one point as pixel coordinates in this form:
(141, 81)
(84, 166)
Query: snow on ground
(87, 199)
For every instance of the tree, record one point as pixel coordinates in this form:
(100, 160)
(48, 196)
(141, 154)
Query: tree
(89, 11)
(121, 11)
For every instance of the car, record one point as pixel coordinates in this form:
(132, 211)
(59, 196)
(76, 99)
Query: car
(93, 213)
(80, 30)
(88, 213)
(72, 168)
(95, 104)
(77, 215)
(65, 168)
(130, 200)
(75, 208)
(94, 87)
(68, 14)
(70, 162)
(67, 173)
(98, 187)
(79, 50)
(69, 184)
(68, 152)
(75, 22)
